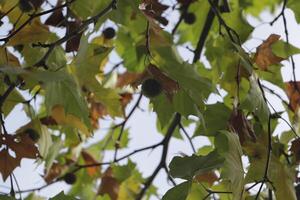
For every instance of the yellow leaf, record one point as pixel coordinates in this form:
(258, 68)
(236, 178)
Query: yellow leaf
(34, 32)
(61, 118)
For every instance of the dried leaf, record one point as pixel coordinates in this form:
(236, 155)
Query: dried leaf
(264, 56)
(97, 111)
(55, 171)
(21, 145)
(88, 159)
(293, 93)
(153, 9)
(109, 185)
(209, 177)
(125, 99)
(73, 44)
(240, 125)
(295, 148)
(128, 78)
(7, 163)
(169, 85)
(56, 19)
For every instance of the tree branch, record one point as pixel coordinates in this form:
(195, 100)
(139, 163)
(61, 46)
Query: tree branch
(162, 164)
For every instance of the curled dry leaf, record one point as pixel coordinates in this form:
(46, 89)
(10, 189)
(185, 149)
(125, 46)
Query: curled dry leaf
(109, 185)
(88, 160)
(17, 147)
(264, 56)
(293, 93)
(295, 149)
(240, 125)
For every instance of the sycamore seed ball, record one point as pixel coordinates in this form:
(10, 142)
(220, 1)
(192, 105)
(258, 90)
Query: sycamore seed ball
(151, 88)
(189, 18)
(70, 178)
(109, 33)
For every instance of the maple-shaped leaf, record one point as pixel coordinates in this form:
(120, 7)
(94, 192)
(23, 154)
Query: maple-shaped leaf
(109, 185)
(73, 44)
(22, 146)
(89, 159)
(7, 163)
(33, 33)
(295, 148)
(293, 93)
(153, 9)
(264, 56)
(240, 125)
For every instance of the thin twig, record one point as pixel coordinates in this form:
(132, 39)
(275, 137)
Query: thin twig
(123, 124)
(188, 137)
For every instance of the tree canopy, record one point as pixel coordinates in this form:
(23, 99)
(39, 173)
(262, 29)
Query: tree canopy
(85, 61)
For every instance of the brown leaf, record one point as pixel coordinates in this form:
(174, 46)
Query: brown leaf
(264, 56)
(293, 93)
(295, 148)
(97, 111)
(153, 9)
(73, 44)
(109, 185)
(55, 171)
(88, 159)
(128, 78)
(209, 177)
(169, 85)
(56, 19)
(22, 145)
(240, 125)
(8, 163)
(48, 121)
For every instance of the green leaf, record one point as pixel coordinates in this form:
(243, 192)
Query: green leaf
(89, 62)
(179, 192)
(109, 141)
(62, 196)
(216, 117)
(110, 99)
(4, 197)
(228, 145)
(255, 102)
(122, 172)
(189, 166)
(283, 49)
(67, 94)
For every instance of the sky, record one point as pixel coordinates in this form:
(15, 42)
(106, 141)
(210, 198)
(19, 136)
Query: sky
(143, 123)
